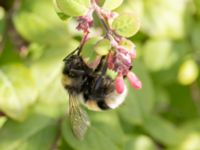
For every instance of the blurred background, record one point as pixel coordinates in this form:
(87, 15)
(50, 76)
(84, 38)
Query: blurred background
(164, 114)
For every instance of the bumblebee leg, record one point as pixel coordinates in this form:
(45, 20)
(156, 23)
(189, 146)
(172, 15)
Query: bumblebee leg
(100, 78)
(100, 65)
(77, 72)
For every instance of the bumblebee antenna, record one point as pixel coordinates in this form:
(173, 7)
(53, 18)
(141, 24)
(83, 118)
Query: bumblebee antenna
(84, 39)
(79, 48)
(70, 54)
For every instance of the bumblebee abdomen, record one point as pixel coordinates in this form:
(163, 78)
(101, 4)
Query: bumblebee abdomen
(111, 101)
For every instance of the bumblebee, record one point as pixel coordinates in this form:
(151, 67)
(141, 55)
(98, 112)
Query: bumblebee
(92, 87)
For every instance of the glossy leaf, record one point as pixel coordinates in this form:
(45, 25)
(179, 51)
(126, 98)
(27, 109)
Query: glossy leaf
(92, 140)
(110, 5)
(171, 24)
(188, 72)
(39, 20)
(157, 54)
(102, 47)
(141, 142)
(18, 90)
(73, 7)
(60, 14)
(88, 52)
(161, 130)
(126, 25)
(36, 132)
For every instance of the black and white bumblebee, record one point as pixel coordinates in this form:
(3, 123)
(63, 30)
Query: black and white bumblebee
(92, 87)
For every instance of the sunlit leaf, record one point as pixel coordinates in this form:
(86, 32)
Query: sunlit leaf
(163, 18)
(37, 132)
(40, 20)
(157, 54)
(126, 25)
(73, 7)
(93, 138)
(60, 14)
(188, 72)
(108, 4)
(161, 130)
(102, 47)
(141, 142)
(88, 52)
(18, 90)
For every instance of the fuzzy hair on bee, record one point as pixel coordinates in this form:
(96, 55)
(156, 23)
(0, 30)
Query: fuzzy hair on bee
(91, 87)
(97, 92)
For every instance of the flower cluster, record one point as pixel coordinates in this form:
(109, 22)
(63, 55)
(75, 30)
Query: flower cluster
(121, 62)
(85, 22)
(120, 57)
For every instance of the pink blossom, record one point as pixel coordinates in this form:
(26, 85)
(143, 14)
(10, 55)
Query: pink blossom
(135, 82)
(119, 84)
(85, 23)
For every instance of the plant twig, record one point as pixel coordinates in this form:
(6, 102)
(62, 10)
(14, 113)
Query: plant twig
(58, 135)
(2, 114)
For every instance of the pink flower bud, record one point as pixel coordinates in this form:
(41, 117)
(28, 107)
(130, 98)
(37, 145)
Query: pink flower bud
(133, 54)
(135, 82)
(119, 84)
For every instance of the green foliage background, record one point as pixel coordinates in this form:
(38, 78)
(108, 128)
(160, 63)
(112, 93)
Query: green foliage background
(164, 114)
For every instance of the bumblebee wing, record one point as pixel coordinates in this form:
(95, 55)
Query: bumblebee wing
(78, 118)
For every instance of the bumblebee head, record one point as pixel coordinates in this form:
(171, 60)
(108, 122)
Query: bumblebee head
(74, 66)
(73, 61)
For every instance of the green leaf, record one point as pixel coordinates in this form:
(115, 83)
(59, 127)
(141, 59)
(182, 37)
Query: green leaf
(73, 7)
(9, 55)
(102, 47)
(2, 121)
(101, 134)
(46, 62)
(101, 2)
(64, 145)
(40, 20)
(173, 54)
(37, 132)
(2, 25)
(126, 25)
(88, 52)
(161, 130)
(158, 54)
(109, 124)
(46, 67)
(60, 14)
(55, 103)
(128, 44)
(197, 5)
(188, 72)
(181, 96)
(18, 90)
(164, 19)
(110, 5)
(190, 135)
(195, 32)
(141, 142)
